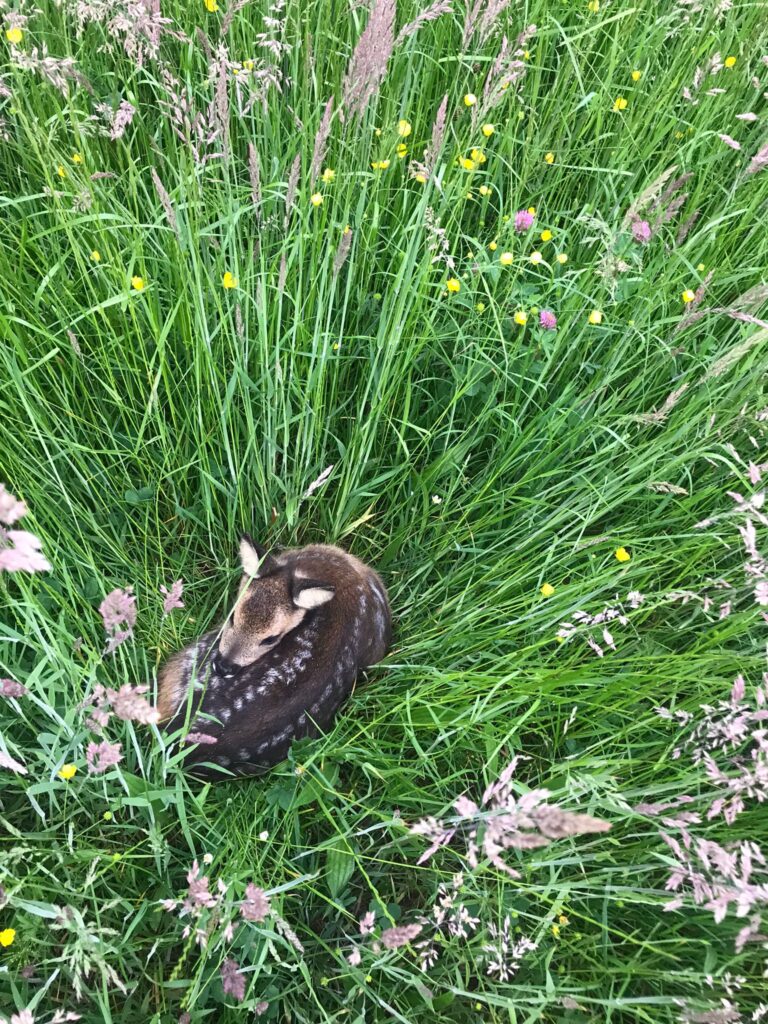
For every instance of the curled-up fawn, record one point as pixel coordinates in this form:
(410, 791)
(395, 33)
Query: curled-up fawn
(304, 624)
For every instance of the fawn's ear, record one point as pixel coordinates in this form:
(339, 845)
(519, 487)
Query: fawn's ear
(254, 557)
(309, 594)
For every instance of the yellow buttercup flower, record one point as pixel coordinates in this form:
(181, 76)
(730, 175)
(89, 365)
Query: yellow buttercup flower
(488, 130)
(453, 285)
(688, 295)
(421, 178)
(546, 235)
(377, 132)
(347, 229)
(95, 255)
(594, 6)
(484, 190)
(7, 935)
(549, 158)
(622, 555)
(467, 164)
(619, 104)
(137, 283)
(532, 210)
(402, 150)
(14, 35)
(380, 165)
(67, 771)
(211, 5)
(316, 199)
(521, 317)
(470, 99)
(562, 257)
(328, 175)
(636, 76)
(506, 259)
(729, 62)
(595, 317)
(478, 156)
(536, 257)
(229, 280)
(61, 171)
(547, 590)
(76, 158)
(248, 65)
(404, 129)
(493, 246)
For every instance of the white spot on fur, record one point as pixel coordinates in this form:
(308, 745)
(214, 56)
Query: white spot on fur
(238, 704)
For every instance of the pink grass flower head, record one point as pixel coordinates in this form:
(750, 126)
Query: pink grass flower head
(101, 756)
(548, 320)
(523, 220)
(232, 980)
(172, 597)
(129, 704)
(641, 231)
(393, 938)
(255, 906)
(10, 688)
(11, 509)
(118, 613)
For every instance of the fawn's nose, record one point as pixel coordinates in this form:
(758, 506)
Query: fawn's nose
(222, 667)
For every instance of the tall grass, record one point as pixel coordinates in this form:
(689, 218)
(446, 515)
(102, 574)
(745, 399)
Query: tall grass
(475, 459)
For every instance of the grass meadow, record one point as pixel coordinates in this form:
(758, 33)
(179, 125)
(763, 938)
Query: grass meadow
(503, 270)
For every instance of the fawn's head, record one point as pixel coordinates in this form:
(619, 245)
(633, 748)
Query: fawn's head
(274, 598)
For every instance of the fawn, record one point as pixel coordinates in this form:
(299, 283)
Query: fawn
(305, 622)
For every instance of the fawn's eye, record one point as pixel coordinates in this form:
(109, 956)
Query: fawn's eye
(270, 640)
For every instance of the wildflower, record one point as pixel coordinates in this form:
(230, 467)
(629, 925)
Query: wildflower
(101, 756)
(688, 295)
(470, 99)
(484, 190)
(547, 590)
(14, 35)
(493, 246)
(107, 815)
(67, 772)
(61, 171)
(548, 320)
(211, 6)
(10, 688)
(700, 267)
(95, 256)
(595, 317)
(7, 935)
(404, 129)
(506, 259)
(467, 164)
(593, 6)
(453, 284)
(641, 231)
(129, 704)
(546, 236)
(328, 175)
(523, 220)
(255, 906)
(393, 938)
(622, 555)
(232, 979)
(316, 199)
(421, 178)
(172, 597)
(636, 76)
(76, 158)
(137, 283)
(480, 307)
(536, 257)
(436, 499)
(549, 158)
(402, 150)
(380, 165)
(488, 130)
(619, 104)
(562, 258)
(521, 317)
(478, 156)
(118, 613)
(729, 62)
